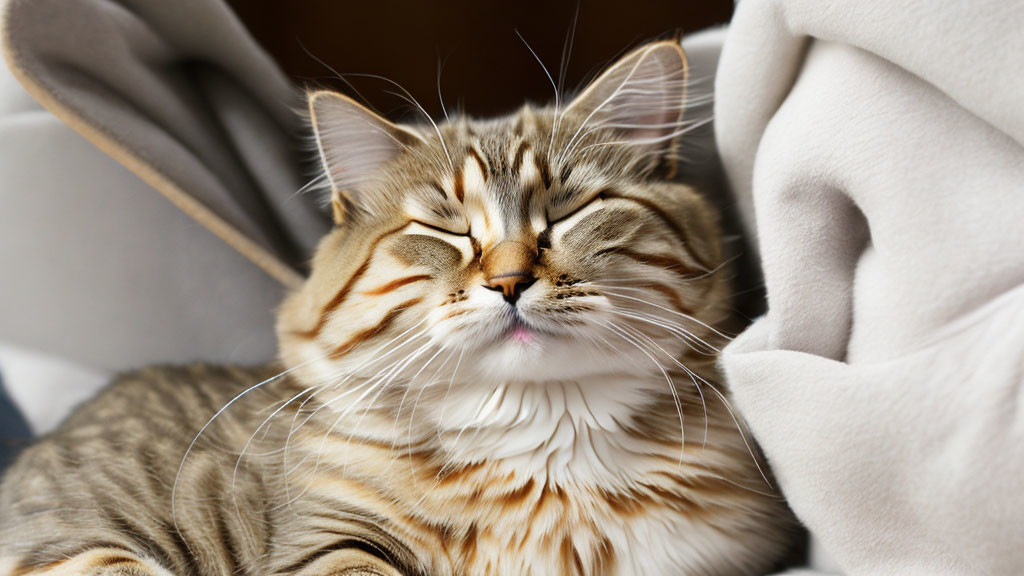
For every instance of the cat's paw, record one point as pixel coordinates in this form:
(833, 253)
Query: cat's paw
(349, 562)
(98, 562)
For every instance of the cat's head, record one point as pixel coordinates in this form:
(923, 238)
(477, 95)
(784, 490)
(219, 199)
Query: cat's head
(545, 245)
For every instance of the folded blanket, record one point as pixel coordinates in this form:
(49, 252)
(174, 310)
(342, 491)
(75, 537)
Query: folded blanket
(180, 94)
(876, 147)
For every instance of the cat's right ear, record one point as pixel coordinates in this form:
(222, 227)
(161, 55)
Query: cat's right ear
(354, 144)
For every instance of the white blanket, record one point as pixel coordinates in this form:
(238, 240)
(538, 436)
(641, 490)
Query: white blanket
(876, 148)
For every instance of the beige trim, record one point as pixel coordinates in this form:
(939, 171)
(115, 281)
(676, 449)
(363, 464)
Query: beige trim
(269, 263)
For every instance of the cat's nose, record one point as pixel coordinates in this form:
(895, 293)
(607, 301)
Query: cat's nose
(508, 268)
(511, 286)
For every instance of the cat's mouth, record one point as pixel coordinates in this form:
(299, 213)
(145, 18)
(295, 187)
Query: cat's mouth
(521, 331)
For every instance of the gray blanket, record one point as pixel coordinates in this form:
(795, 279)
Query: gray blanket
(180, 94)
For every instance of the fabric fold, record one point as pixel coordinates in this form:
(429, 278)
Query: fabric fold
(876, 152)
(181, 95)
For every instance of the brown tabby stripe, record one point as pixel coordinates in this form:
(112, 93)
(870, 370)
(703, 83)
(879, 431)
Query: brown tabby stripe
(570, 553)
(517, 497)
(396, 284)
(381, 326)
(455, 313)
(479, 162)
(605, 559)
(544, 168)
(460, 191)
(340, 296)
(26, 570)
(517, 128)
(664, 217)
(672, 295)
(343, 544)
(109, 561)
(667, 262)
(565, 173)
(437, 188)
(517, 162)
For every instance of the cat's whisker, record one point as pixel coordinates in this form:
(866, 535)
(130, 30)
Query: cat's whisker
(671, 311)
(695, 377)
(676, 361)
(645, 141)
(372, 358)
(241, 455)
(451, 381)
(405, 394)
(371, 385)
(412, 414)
(376, 355)
(440, 96)
(739, 427)
(706, 274)
(668, 379)
(344, 377)
(380, 385)
(677, 331)
(419, 352)
(554, 129)
(615, 94)
(413, 378)
(184, 458)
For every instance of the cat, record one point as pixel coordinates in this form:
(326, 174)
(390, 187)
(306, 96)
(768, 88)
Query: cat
(503, 362)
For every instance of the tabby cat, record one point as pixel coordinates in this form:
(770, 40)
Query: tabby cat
(503, 362)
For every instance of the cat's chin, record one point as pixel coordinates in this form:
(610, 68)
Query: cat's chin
(538, 357)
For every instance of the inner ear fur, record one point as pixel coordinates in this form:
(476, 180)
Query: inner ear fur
(641, 97)
(353, 142)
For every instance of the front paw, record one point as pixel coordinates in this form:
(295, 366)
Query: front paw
(97, 562)
(349, 562)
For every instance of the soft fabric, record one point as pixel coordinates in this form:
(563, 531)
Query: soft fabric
(99, 270)
(877, 147)
(180, 94)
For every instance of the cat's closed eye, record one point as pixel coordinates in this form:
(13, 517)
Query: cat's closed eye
(581, 203)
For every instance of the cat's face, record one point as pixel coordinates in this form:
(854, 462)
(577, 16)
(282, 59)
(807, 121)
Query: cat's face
(541, 246)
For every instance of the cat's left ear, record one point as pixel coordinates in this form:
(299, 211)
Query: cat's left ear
(354, 144)
(641, 98)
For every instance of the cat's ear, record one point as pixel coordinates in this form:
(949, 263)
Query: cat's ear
(354, 144)
(641, 97)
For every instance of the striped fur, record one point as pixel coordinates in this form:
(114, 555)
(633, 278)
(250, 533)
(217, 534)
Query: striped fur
(502, 363)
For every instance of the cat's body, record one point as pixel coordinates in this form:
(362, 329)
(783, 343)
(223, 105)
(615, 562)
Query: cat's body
(637, 513)
(502, 363)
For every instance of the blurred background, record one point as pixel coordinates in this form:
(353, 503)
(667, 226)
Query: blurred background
(487, 69)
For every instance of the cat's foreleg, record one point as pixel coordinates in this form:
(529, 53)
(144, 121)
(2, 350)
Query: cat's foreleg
(95, 562)
(349, 562)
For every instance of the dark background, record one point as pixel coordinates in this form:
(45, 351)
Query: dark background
(487, 68)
